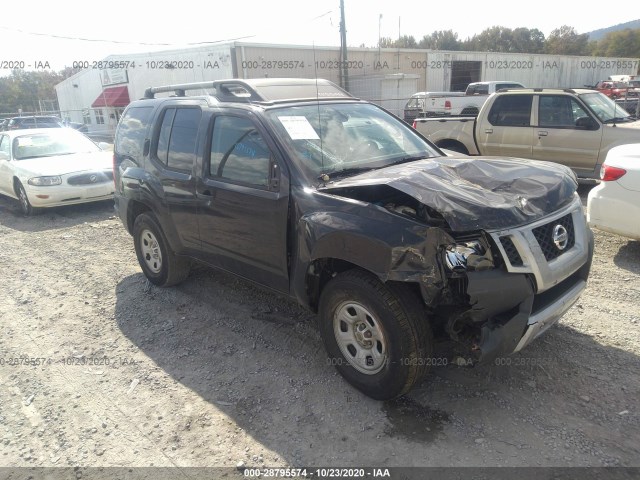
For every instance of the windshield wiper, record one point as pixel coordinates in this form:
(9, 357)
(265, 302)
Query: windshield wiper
(407, 159)
(347, 171)
(616, 119)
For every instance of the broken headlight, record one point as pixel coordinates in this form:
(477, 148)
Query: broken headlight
(468, 256)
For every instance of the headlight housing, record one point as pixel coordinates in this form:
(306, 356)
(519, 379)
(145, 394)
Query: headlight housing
(467, 256)
(45, 181)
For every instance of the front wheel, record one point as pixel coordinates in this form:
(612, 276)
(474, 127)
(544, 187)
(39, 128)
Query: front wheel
(377, 335)
(159, 264)
(25, 204)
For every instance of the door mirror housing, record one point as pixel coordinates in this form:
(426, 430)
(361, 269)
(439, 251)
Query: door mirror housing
(586, 123)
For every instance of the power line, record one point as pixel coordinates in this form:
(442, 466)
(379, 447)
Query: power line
(83, 39)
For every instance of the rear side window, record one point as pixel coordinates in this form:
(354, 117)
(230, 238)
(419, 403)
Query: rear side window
(177, 139)
(511, 111)
(131, 132)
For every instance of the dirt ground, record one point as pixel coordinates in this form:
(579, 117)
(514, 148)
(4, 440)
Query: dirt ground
(99, 368)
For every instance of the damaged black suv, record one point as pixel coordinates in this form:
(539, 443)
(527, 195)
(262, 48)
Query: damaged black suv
(298, 186)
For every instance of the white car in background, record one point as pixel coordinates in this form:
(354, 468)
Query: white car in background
(614, 205)
(51, 167)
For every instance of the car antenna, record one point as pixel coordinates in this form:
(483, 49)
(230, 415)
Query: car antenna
(324, 178)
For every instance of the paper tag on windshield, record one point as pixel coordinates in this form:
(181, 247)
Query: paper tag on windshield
(299, 128)
(25, 141)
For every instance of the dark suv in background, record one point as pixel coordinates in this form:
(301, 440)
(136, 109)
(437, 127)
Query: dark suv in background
(34, 121)
(298, 186)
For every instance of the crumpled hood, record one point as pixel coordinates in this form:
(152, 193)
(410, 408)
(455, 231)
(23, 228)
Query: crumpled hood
(472, 193)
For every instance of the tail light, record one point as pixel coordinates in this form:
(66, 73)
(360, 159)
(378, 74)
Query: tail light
(447, 104)
(610, 174)
(414, 125)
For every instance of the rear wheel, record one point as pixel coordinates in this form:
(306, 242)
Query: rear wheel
(159, 264)
(377, 335)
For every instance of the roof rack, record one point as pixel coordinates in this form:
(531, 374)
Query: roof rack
(263, 90)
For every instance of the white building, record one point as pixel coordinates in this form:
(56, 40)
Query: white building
(98, 94)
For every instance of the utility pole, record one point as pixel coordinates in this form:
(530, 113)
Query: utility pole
(344, 71)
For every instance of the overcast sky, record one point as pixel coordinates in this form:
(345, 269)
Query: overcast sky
(30, 30)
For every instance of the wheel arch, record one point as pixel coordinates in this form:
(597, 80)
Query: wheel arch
(321, 270)
(453, 145)
(135, 208)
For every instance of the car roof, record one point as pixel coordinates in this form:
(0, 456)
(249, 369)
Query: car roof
(34, 131)
(265, 91)
(38, 117)
(576, 91)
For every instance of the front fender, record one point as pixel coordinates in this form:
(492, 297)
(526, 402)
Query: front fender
(389, 246)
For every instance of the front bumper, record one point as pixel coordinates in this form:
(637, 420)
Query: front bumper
(58, 195)
(517, 306)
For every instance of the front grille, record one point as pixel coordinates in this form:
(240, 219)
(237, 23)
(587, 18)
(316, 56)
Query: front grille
(91, 178)
(511, 251)
(544, 236)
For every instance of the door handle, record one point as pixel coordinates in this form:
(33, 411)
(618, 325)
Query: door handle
(542, 133)
(488, 130)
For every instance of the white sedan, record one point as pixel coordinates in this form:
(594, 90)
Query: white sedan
(53, 167)
(614, 205)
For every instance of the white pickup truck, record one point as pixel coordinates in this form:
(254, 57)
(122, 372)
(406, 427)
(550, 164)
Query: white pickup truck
(573, 127)
(463, 103)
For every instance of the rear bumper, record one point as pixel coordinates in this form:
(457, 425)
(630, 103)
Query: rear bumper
(121, 206)
(612, 208)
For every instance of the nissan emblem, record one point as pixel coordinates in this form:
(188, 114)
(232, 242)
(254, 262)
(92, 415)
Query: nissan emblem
(560, 237)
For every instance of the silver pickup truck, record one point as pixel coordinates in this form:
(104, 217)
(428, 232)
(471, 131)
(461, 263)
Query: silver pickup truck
(575, 128)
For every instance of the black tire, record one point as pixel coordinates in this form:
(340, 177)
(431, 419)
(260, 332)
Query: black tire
(25, 205)
(455, 147)
(159, 264)
(397, 353)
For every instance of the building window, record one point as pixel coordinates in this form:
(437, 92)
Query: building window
(86, 117)
(99, 116)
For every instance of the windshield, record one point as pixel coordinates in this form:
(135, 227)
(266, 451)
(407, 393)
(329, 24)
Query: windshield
(604, 108)
(346, 138)
(59, 142)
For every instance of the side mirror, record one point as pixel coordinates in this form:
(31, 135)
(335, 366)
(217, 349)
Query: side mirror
(586, 123)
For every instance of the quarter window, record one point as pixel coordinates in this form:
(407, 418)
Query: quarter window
(239, 153)
(131, 131)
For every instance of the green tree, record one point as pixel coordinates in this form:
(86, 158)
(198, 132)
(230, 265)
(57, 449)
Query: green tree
(525, 40)
(622, 43)
(440, 40)
(566, 41)
(29, 91)
(494, 39)
(405, 41)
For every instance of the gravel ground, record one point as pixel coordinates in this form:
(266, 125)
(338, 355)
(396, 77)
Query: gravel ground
(99, 368)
